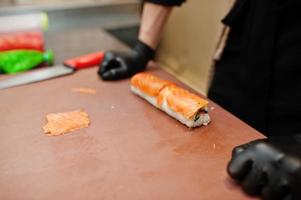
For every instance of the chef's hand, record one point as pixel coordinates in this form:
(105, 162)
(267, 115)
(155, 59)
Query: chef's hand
(119, 65)
(269, 168)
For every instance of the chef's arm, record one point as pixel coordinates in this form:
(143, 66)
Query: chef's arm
(154, 17)
(119, 65)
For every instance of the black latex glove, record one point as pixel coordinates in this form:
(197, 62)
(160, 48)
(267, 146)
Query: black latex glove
(269, 168)
(119, 65)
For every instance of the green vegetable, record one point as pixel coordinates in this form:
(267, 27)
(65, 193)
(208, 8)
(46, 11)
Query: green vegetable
(22, 60)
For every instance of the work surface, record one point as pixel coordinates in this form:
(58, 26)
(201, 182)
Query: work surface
(130, 151)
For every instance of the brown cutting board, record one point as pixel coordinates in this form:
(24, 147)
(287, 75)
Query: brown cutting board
(130, 151)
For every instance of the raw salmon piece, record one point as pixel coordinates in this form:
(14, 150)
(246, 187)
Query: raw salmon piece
(182, 101)
(149, 84)
(61, 123)
(84, 90)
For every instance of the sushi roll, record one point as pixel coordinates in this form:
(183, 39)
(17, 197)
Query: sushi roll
(177, 102)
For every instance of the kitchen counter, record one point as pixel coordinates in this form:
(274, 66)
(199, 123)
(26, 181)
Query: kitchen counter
(131, 150)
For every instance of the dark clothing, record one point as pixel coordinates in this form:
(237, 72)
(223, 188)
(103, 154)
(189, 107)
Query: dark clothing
(167, 2)
(258, 77)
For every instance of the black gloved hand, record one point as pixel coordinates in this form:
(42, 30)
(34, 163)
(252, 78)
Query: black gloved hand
(119, 65)
(270, 168)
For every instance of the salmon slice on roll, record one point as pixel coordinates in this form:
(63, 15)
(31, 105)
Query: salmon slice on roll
(184, 106)
(148, 86)
(177, 102)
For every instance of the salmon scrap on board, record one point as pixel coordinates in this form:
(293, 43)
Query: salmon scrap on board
(61, 123)
(84, 90)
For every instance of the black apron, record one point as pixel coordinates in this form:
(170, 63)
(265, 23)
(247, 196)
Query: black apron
(258, 77)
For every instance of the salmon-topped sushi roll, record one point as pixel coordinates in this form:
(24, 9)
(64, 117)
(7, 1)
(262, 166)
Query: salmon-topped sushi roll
(184, 106)
(177, 102)
(148, 86)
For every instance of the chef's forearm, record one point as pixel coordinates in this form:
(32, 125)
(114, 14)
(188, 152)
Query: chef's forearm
(154, 18)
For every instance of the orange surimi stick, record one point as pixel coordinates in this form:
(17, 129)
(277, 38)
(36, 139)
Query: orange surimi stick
(177, 102)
